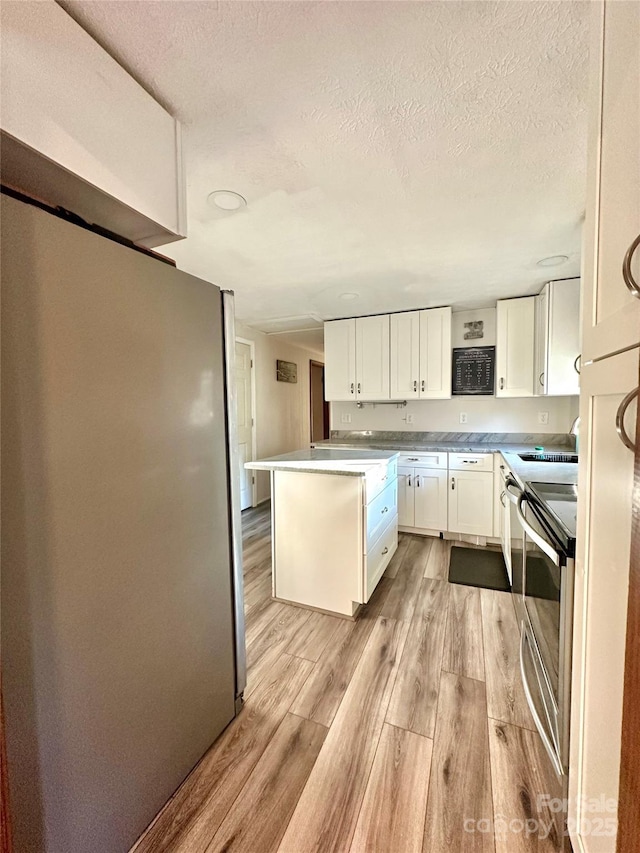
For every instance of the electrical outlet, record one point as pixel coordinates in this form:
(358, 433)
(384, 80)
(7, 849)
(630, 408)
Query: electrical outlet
(409, 418)
(543, 417)
(463, 417)
(345, 418)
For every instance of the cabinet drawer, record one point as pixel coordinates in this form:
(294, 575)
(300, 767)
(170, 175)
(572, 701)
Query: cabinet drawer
(378, 513)
(426, 460)
(471, 461)
(380, 556)
(378, 479)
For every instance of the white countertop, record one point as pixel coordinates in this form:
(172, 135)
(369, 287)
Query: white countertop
(354, 463)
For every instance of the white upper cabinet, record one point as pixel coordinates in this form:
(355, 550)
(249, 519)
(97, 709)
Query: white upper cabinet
(78, 131)
(515, 334)
(372, 358)
(340, 360)
(421, 354)
(356, 359)
(611, 316)
(405, 355)
(558, 338)
(435, 353)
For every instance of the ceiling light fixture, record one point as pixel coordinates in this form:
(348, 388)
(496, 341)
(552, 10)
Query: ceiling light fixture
(349, 296)
(227, 200)
(553, 261)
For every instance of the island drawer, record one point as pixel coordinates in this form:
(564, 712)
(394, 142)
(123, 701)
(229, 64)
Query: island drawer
(379, 478)
(471, 461)
(379, 511)
(380, 556)
(425, 460)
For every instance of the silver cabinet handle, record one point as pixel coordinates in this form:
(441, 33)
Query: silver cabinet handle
(385, 551)
(386, 509)
(453, 483)
(412, 459)
(627, 275)
(352, 387)
(546, 740)
(415, 384)
(469, 461)
(501, 383)
(577, 362)
(541, 379)
(417, 481)
(422, 385)
(544, 546)
(622, 410)
(502, 497)
(409, 480)
(359, 388)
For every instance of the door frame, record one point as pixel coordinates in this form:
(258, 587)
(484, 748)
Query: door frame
(254, 442)
(314, 363)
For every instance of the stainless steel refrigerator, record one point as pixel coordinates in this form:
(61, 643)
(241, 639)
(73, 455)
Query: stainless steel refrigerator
(121, 600)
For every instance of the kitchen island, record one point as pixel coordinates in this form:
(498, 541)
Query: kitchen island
(334, 524)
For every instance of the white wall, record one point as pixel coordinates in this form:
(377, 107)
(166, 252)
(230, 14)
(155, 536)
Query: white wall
(282, 409)
(484, 414)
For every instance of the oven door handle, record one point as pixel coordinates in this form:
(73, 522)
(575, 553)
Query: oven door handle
(544, 546)
(546, 740)
(511, 482)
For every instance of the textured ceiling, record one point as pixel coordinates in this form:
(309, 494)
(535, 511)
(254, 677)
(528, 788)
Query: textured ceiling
(414, 153)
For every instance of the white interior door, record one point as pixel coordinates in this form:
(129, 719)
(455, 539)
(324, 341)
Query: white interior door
(245, 421)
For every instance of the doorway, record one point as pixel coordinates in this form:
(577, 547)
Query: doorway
(319, 406)
(246, 419)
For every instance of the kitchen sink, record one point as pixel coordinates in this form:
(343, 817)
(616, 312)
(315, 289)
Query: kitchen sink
(549, 457)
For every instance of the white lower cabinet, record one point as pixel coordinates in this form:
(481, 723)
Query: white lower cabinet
(422, 493)
(470, 502)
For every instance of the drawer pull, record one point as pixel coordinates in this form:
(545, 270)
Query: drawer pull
(412, 459)
(453, 483)
(469, 461)
(385, 551)
(386, 509)
(501, 383)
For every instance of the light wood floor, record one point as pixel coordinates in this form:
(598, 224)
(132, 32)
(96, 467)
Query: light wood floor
(406, 730)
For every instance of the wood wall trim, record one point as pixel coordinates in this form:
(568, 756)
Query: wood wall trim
(5, 817)
(628, 811)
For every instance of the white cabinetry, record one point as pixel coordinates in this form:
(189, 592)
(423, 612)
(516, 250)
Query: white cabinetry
(421, 355)
(611, 314)
(610, 323)
(372, 358)
(558, 338)
(601, 585)
(422, 492)
(78, 131)
(470, 494)
(515, 336)
(340, 360)
(357, 359)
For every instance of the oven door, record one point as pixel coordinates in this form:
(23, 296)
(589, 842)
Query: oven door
(513, 493)
(548, 602)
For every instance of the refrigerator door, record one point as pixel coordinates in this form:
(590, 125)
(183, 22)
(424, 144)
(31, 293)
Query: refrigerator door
(117, 594)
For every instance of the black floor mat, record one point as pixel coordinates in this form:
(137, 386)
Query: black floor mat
(478, 567)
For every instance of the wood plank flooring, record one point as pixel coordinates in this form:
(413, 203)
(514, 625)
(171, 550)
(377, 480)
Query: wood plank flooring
(406, 731)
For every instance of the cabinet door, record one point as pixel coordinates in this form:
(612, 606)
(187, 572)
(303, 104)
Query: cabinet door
(406, 515)
(515, 347)
(611, 319)
(340, 360)
(540, 374)
(430, 490)
(471, 502)
(435, 353)
(372, 358)
(405, 355)
(563, 338)
(605, 479)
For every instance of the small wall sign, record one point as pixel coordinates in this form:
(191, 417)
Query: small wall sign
(473, 370)
(286, 371)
